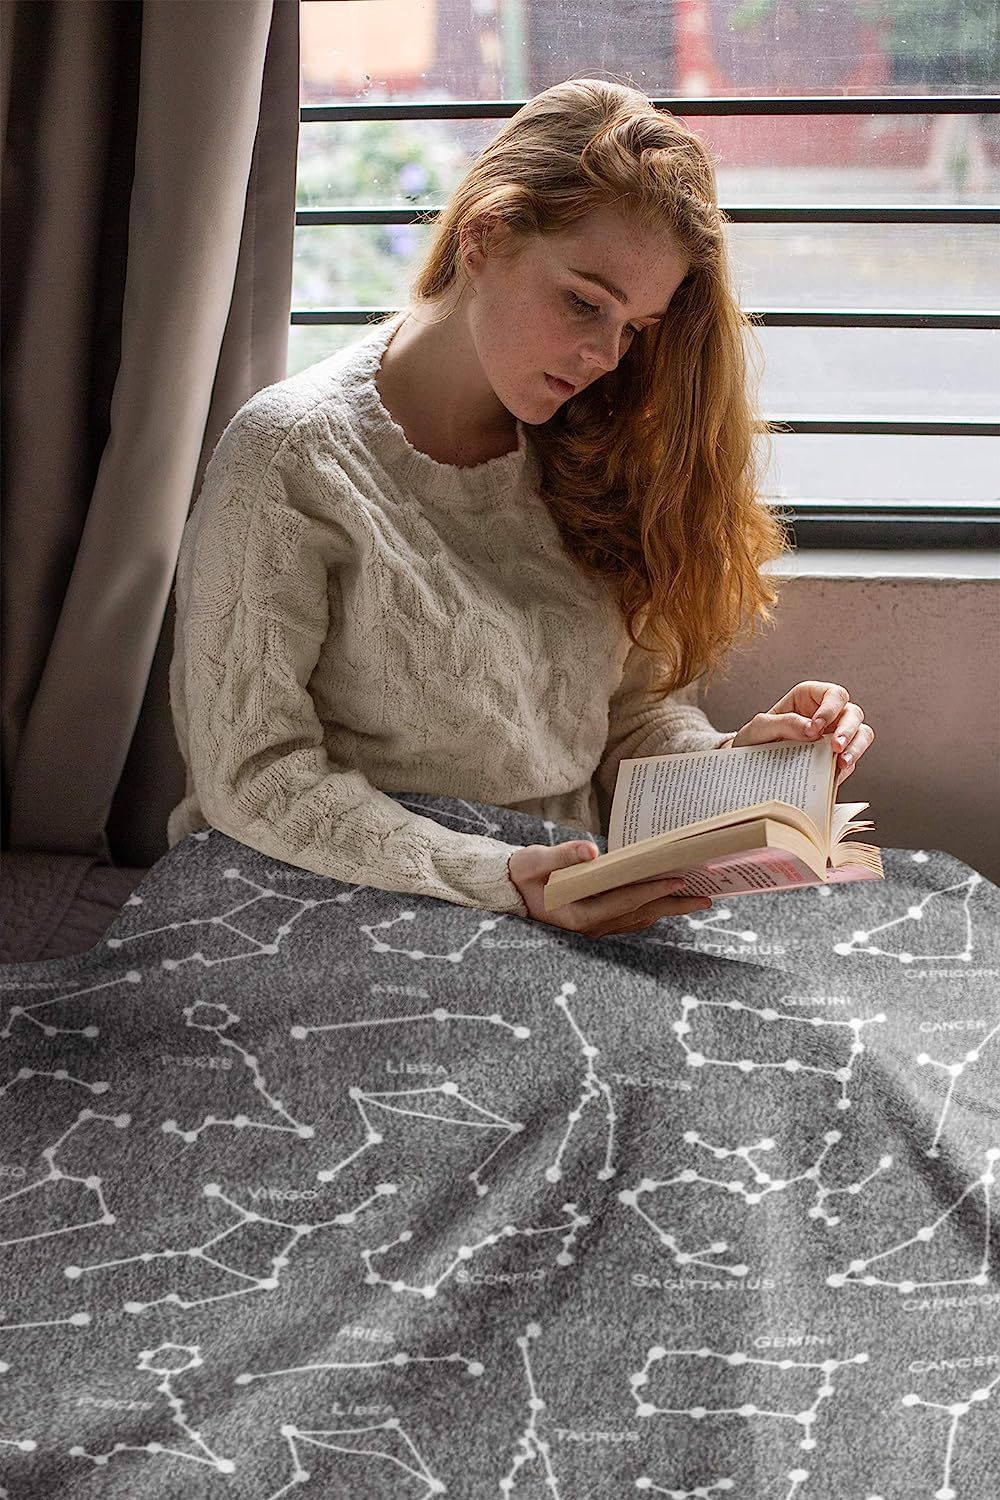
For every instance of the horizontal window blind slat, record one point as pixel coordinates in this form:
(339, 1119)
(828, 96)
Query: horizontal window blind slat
(766, 317)
(744, 213)
(762, 104)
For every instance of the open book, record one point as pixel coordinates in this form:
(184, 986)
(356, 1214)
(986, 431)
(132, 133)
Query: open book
(735, 822)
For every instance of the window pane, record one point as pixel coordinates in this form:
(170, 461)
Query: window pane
(375, 163)
(508, 49)
(363, 265)
(900, 470)
(876, 372)
(898, 266)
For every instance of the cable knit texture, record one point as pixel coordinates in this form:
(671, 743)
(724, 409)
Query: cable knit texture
(356, 619)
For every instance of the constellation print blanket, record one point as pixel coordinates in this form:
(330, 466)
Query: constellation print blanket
(320, 1190)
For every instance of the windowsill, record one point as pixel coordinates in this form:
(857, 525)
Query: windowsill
(878, 562)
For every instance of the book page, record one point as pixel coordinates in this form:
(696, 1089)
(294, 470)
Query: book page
(656, 794)
(842, 820)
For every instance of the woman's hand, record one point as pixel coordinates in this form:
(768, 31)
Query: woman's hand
(630, 908)
(807, 711)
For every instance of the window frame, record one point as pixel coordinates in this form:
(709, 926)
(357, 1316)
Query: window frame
(812, 523)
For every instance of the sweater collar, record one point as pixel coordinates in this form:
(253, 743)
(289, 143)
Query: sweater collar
(388, 442)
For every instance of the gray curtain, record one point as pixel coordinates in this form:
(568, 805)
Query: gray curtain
(148, 200)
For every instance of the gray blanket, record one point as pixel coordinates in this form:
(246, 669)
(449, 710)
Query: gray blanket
(321, 1190)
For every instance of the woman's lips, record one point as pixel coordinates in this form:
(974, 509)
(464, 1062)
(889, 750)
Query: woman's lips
(561, 387)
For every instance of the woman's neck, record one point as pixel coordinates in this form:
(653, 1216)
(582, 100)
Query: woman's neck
(430, 382)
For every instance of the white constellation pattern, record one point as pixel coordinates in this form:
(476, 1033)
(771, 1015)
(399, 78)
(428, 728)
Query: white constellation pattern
(768, 1013)
(486, 1121)
(400, 1360)
(630, 1198)
(712, 921)
(858, 1272)
(954, 1072)
(226, 922)
(439, 1013)
(291, 1433)
(805, 1418)
(92, 1183)
(701, 1492)
(197, 1016)
(860, 942)
(249, 1219)
(531, 1447)
(59, 1074)
(453, 956)
(956, 1410)
(752, 1187)
(27, 1012)
(576, 1222)
(75, 1320)
(320, 1438)
(591, 1087)
(764, 1183)
(181, 1357)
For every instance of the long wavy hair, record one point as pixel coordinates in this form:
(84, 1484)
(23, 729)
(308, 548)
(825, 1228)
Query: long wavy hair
(650, 472)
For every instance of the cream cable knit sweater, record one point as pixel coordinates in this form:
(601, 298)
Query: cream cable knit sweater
(355, 618)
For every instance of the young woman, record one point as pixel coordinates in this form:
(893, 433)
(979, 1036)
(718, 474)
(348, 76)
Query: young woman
(487, 550)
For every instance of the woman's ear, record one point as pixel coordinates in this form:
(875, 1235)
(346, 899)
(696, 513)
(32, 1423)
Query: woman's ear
(474, 240)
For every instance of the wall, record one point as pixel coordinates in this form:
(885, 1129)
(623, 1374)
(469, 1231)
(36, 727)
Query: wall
(921, 655)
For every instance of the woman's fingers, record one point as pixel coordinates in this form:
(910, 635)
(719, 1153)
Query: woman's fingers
(645, 916)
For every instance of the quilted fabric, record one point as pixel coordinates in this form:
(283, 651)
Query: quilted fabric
(54, 905)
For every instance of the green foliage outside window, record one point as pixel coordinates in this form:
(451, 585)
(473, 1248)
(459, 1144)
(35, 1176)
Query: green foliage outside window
(918, 30)
(375, 163)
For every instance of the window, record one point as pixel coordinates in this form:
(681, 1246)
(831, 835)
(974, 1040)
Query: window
(857, 148)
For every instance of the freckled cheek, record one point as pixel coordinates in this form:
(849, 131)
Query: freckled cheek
(551, 341)
(535, 342)
(526, 336)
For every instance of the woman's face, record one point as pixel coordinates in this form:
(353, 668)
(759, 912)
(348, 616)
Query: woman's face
(540, 317)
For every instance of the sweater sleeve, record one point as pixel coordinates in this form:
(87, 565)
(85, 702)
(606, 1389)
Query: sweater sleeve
(641, 724)
(256, 589)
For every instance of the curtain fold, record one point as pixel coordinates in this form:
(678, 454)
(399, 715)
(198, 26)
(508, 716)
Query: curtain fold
(149, 166)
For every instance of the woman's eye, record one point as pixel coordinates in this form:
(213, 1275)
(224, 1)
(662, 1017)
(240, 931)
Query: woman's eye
(588, 307)
(582, 306)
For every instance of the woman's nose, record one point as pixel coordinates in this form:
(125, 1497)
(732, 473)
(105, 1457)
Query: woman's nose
(605, 353)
